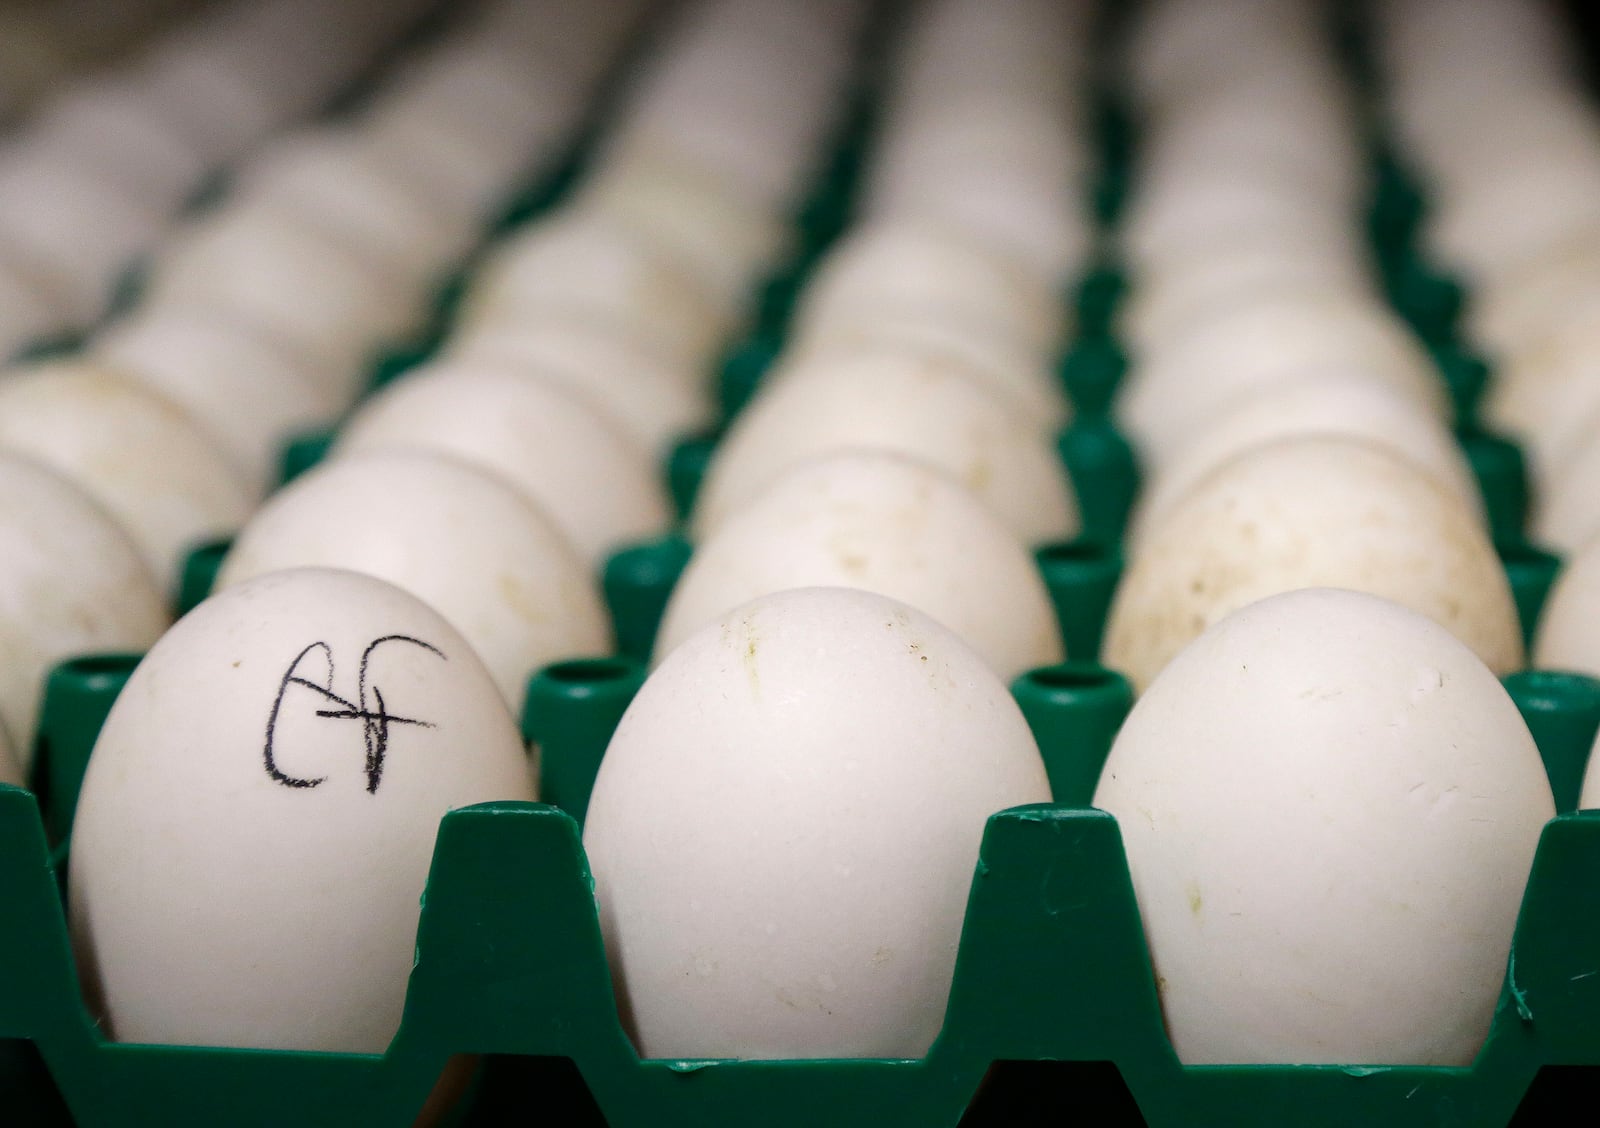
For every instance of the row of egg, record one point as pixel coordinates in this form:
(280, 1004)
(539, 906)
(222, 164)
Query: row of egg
(44, 44)
(1514, 199)
(820, 919)
(493, 481)
(1291, 431)
(170, 423)
(1299, 760)
(92, 180)
(452, 535)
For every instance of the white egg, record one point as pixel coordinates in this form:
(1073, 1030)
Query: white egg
(249, 392)
(288, 279)
(463, 540)
(880, 522)
(1266, 339)
(1566, 638)
(1516, 211)
(110, 130)
(1004, 366)
(567, 456)
(213, 106)
(904, 265)
(1566, 510)
(655, 397)
(728, 242)
(1544, 297)
(1295, 408)
(592, 266)
(1310, 512)
(1548, 398)
(329, 178)
(1330, 807)
(782, 847)
(71, 583)
(259, 813)
(77, 231)
(923, 406)
(1186, 289)
(1217, 205)
(138, 454)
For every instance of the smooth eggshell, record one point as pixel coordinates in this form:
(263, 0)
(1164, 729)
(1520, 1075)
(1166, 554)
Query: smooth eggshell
(1266, 339)
(1357, 409)
(138, 454)
(71, 583)
(1330, 807)
(1566, 638)
(885, 523)
(931, 268)
(1310, 512)
(601, 267)
(249, 392)
(785, 826)
(217, 903)
(594, 480)
(285, 277)
(1164, 301)
(464, 540)
(924, 406)
(656, 398)
(1003, 364)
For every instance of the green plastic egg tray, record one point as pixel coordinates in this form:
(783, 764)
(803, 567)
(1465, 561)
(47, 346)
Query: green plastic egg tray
(1053, 1006)
(1053, 1015)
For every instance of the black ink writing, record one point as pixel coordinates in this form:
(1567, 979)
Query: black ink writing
(375, 717)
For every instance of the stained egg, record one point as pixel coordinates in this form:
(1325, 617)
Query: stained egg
(1307, 512)
(259, 812)
(1329, 806)
(785, 826)
(565, 454)
(138, 454)
(464, 540)
(924, 406)
(885, 523)
(1357, 409)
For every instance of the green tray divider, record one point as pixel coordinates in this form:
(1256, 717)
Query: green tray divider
(569, 713)
(1467, 377)
(1105, 474)
(1092, 371)
(199, 573)
(1502, 476)
(1051, 966)
(1562, 711)
(686, 467)
(637, 582)
(1532, 572)
(742, 371)
(78, 695)
(304, 451)
(1081, 576)
(1074, 710)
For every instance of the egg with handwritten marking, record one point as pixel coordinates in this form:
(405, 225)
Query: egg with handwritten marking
(258, 815)
(1330, 806)
(785, 826)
